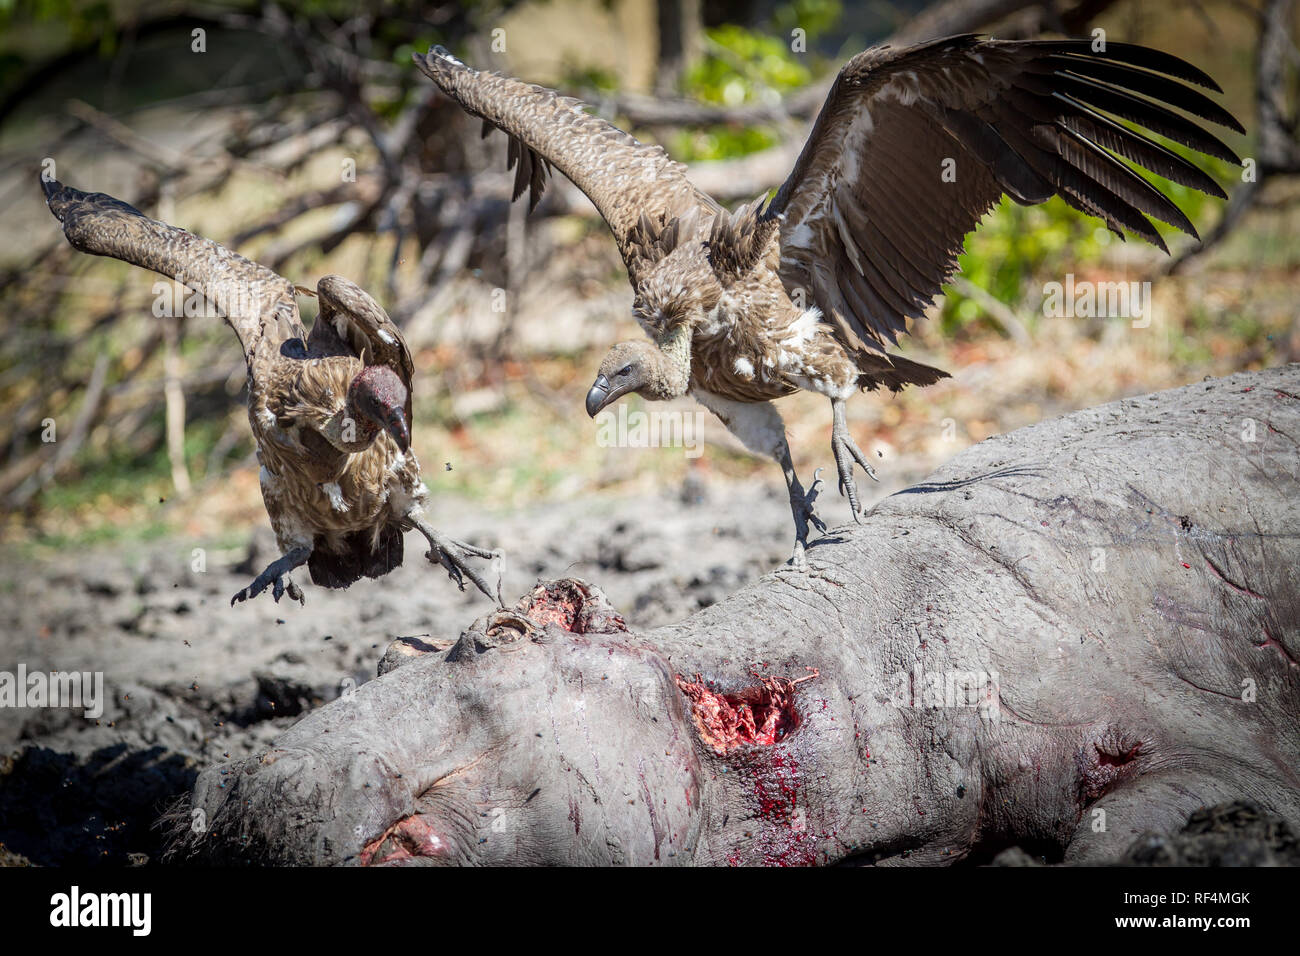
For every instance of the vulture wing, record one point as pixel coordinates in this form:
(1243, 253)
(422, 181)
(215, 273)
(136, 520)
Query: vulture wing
(259, 305)
(350, 322)
(635, 187)
(870, 225)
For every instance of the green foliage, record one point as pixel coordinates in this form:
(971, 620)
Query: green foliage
(590, 78)
(1013, 246)
(814, 17)
(742, 66)
(1016, 246)
(119, 473)
(81, 22)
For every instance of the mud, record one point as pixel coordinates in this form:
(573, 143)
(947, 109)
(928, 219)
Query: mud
(189, 681)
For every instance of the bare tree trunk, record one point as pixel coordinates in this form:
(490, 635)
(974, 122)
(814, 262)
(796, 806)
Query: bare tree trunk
(680, 34)
(1278, 150)
(1067, 636)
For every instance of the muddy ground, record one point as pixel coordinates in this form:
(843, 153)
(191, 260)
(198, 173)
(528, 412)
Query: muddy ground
(189, 681)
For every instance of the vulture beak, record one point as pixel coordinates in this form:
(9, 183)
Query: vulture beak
(599, 396)
(395, 423)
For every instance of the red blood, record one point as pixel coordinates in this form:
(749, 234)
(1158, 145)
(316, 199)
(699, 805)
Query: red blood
(568, 604)
(554, 612)
(759, 715)
(785, 839)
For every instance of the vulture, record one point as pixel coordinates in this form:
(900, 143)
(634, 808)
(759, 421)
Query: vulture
(330, 409)
(809, 289)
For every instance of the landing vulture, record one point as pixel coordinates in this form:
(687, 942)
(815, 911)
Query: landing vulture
(808, 290)
(330, 410)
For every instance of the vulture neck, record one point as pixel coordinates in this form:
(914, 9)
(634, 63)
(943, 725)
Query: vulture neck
(348, 430)
(672, 377)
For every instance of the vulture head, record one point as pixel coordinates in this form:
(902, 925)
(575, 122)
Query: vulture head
(377, 397)
(632, 367)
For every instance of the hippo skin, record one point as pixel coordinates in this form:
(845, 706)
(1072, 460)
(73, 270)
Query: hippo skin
(1066, 637)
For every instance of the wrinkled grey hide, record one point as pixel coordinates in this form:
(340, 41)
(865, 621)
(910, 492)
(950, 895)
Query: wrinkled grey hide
(1066, 636)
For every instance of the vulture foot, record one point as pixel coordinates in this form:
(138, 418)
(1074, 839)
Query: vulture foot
(455, 555)
(276, 577)
(802, 508)
(847, 453)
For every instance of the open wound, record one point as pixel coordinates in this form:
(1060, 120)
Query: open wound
(761, 715)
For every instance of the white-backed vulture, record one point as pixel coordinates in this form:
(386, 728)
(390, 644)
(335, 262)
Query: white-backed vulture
(330, 410)
(911, 149)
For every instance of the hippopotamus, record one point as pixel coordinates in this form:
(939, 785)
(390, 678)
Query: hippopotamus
(1066, 637)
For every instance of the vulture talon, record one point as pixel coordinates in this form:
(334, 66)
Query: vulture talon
(807, 502)
(802, 508)
(847, 454)
(276, 577)
(453, 555)
(441, 557)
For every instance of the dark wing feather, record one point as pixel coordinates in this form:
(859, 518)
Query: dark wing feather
(351, 322)
(870, 229)
(259, 305)
(624, 178)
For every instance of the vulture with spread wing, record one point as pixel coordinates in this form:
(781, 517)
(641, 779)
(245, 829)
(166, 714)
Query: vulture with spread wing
(330, 410)
(911, 149)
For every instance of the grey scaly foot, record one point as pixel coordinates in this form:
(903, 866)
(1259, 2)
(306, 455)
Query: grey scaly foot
(802, 505)
(454, 555)
(847, 453)
(276, 577)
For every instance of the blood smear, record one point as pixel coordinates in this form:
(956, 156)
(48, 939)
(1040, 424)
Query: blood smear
(758, 716)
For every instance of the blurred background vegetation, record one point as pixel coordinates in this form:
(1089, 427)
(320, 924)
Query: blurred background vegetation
(245, 122)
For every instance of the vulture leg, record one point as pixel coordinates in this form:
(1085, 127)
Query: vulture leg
(276, 576)
(846, 453)
(759, 427)
(801, 506)
(453, 556)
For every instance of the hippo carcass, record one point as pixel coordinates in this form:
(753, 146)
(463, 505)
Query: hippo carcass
(1067, 636)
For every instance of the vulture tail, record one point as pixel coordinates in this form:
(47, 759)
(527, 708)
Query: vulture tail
(361, 556)
(893, 371)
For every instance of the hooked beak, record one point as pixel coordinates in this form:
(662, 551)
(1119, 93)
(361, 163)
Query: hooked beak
(601, 395)
(396, 425)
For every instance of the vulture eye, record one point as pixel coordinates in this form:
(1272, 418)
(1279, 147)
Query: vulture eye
(625, 370)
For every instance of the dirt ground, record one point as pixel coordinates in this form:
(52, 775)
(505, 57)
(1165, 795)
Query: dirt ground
(189, 681)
